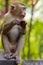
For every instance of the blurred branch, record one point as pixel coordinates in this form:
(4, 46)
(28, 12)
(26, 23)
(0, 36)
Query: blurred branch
(36, 2)
(6, 5)
(0, 29)
(30, 29)
(29, 32)
(41, 38)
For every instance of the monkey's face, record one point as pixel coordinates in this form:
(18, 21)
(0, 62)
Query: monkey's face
(18, 10)
(22, 12)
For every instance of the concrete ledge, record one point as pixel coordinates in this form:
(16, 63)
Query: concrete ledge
(32, 62)
(7, 62)
(4, 61)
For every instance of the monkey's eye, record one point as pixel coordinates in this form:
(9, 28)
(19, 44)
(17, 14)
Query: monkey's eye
(13, 7)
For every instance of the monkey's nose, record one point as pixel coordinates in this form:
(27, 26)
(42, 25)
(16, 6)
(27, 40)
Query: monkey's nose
(24, 13)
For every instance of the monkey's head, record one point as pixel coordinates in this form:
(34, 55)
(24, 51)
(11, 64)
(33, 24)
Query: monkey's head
(18, 9)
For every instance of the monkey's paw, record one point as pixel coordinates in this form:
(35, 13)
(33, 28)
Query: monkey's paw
(8, 56)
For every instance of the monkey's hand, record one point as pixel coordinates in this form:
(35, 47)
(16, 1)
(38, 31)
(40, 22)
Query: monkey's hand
(12, 56)
(16, 21)
(8, 56)
(16, 58)
(23, 24)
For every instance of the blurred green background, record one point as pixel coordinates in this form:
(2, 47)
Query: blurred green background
(33, 45)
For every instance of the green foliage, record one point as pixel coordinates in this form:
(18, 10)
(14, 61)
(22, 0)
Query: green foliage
(37, 28)
(0, 42)
(1, 4)
(26, 1)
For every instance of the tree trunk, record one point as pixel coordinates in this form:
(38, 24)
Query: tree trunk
(6, 5)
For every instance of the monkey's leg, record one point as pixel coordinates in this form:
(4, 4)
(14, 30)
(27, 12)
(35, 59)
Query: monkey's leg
(19, 48)
(6, 44)
(20, 45)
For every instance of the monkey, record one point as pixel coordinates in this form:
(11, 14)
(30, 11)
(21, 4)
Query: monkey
(13, 30)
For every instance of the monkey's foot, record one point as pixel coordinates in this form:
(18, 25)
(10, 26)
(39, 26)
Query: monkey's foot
(8, 56)
(12, 56)
(16, 58)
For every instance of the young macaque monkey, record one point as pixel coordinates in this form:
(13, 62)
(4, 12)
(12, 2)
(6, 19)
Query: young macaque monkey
(13, 30)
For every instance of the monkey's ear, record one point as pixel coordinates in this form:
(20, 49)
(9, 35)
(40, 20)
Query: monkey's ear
(13, 7)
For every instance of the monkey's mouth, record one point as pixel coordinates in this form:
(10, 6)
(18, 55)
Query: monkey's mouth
(22, 16)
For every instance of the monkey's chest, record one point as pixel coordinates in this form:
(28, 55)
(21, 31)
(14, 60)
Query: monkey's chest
(14, 33)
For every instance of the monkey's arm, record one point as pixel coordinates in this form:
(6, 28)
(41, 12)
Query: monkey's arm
(23, 31)
(20, 45)
(23, 26)
(7, 26)
(5, 43)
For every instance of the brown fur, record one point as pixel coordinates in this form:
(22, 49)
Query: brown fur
(15, 46)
